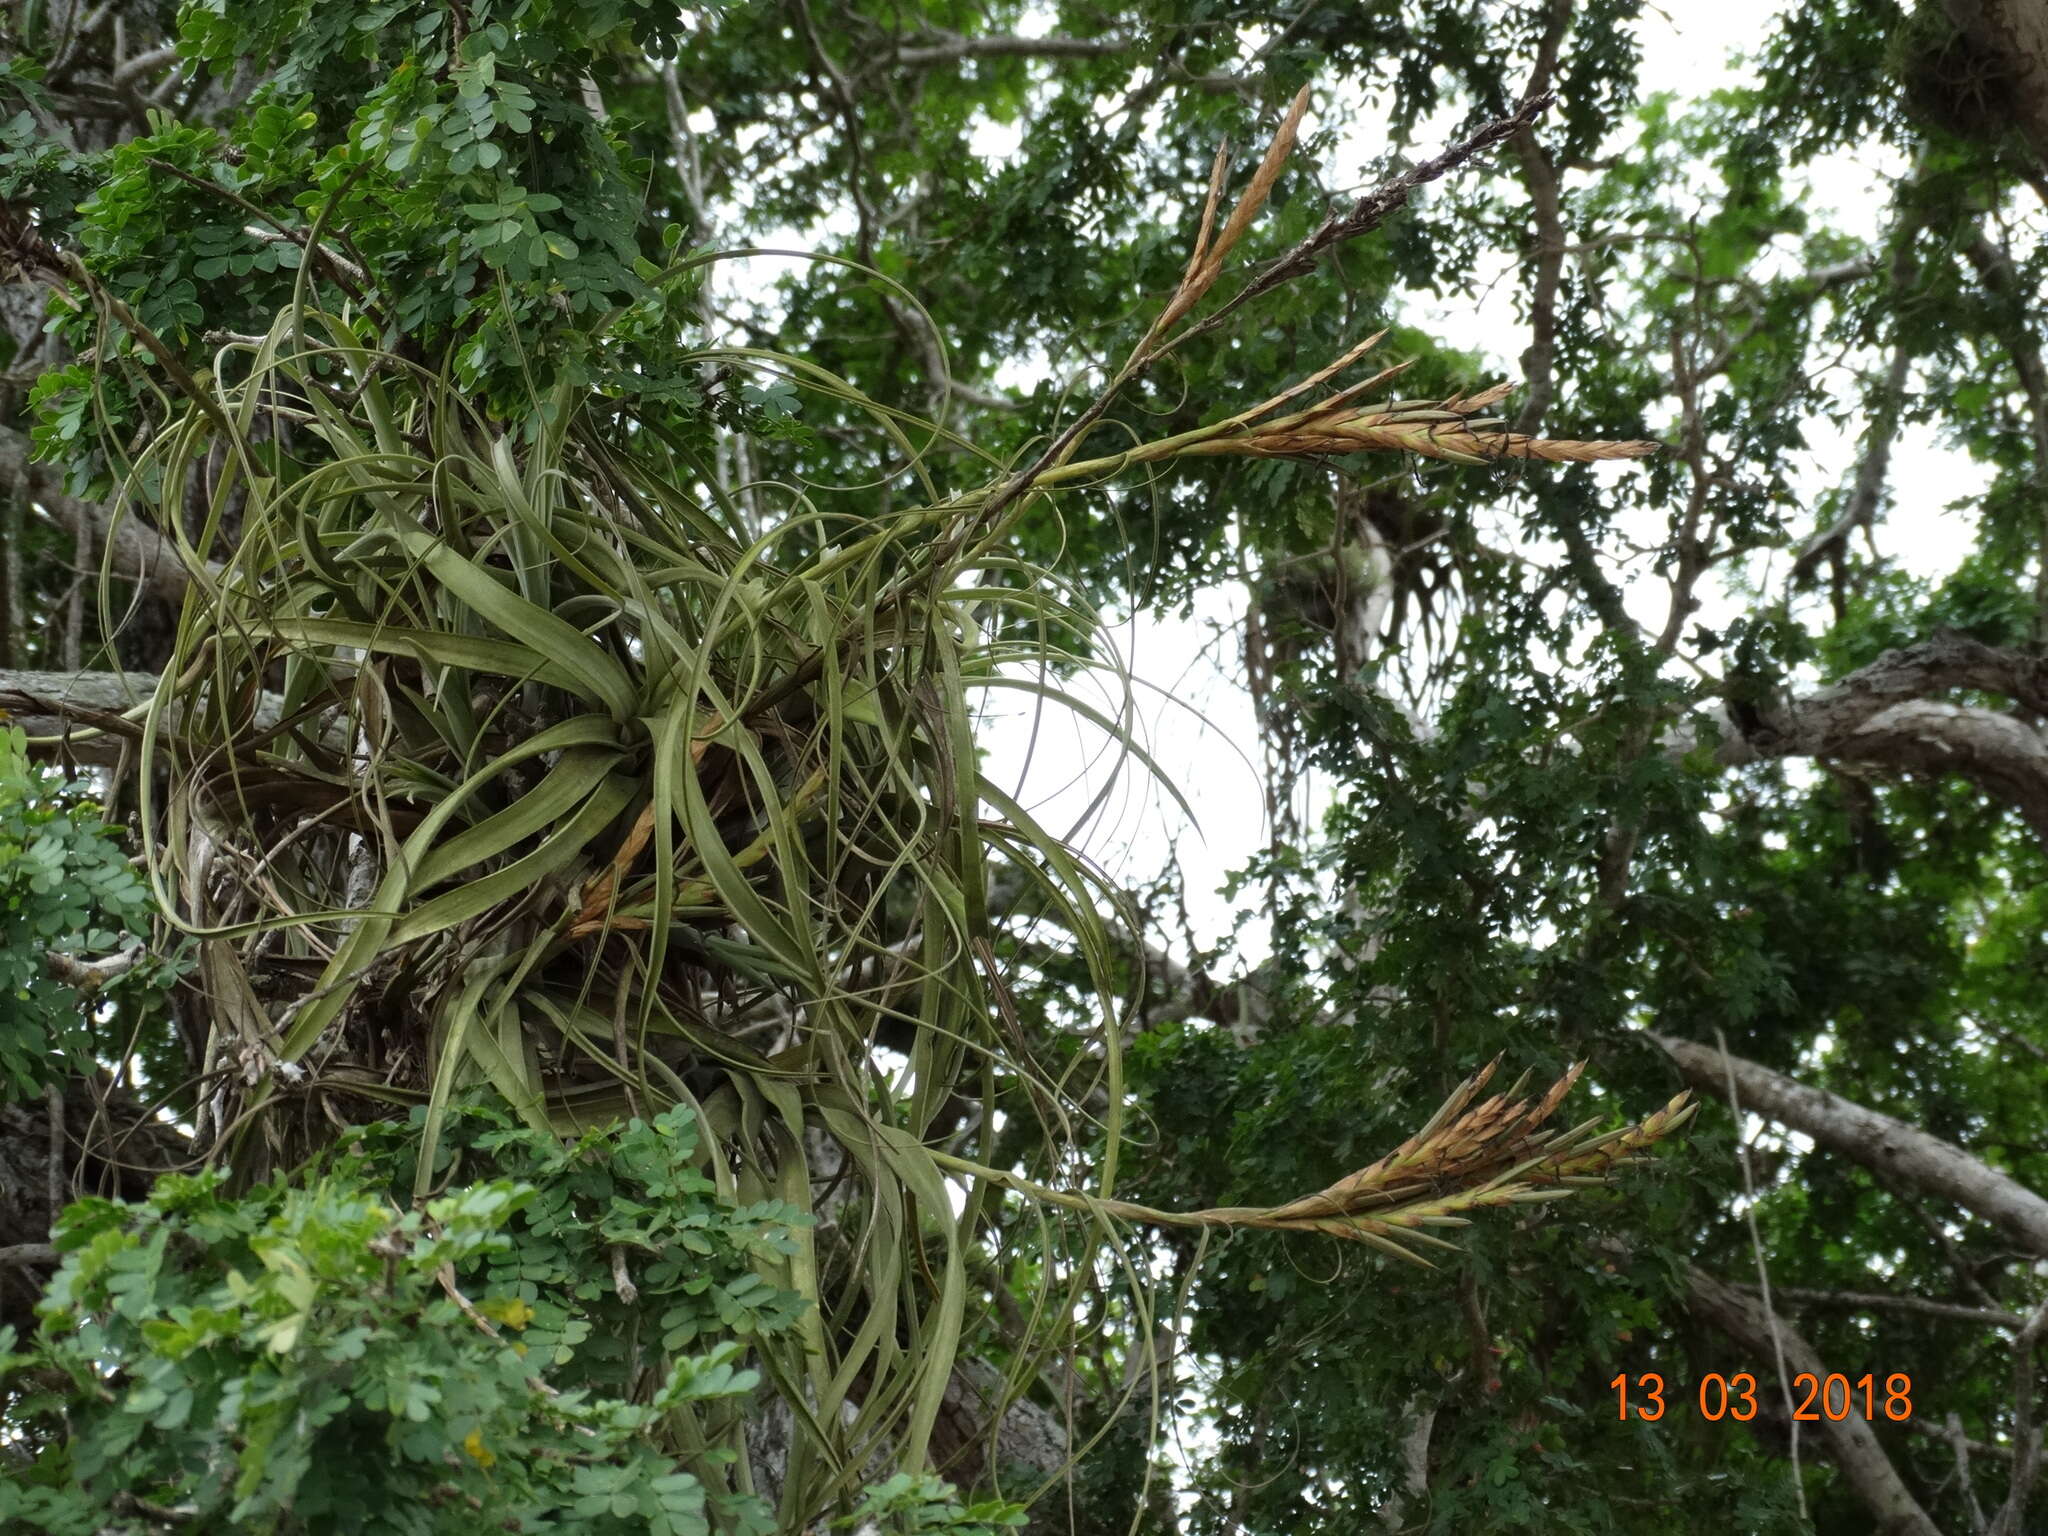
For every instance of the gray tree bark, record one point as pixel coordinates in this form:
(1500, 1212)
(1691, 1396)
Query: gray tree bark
(1889, 716)
(1891, 1147)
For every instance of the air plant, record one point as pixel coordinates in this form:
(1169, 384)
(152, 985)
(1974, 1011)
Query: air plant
(529, 762)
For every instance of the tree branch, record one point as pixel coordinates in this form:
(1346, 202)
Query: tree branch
(1871, 469)
(1850, 1441)
(57, 705)
(1941, 1432)
(1414, 1467)
(1882, 715)
(89, 976)
(1959, 1443)
(1880, 1301)
(951, 49)
(132, 69)
(1885, 416)
(22, 1255)
(2017, 325)
(2027, 1462)
(1547, 208)
(2015, 33)
(54, 704)
(1912, 1156)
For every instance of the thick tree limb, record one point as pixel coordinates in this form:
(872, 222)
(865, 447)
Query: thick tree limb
(1851, 1443)
(1883, 715)
(1948, 660)
(2002, 754)
(984, 1424)
(57, 704)
(1891, 1147)
(89, 976)
(1414, 1468)
(83, 711)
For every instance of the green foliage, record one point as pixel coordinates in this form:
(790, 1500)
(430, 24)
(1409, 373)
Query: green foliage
(918, 1504)
(472, 203)
(65, 889)
(311, 1357)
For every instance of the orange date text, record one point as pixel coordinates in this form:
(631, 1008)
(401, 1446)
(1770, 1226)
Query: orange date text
(1813, 1398)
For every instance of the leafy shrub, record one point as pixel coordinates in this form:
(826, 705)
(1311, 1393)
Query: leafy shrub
(308, 1357)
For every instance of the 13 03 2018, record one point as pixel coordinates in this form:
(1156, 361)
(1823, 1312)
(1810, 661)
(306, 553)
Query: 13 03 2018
(1810, 1398)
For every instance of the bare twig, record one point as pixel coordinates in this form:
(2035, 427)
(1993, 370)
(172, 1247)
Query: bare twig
(2025, 1437)
(1374, 209)
(1881, 1301)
